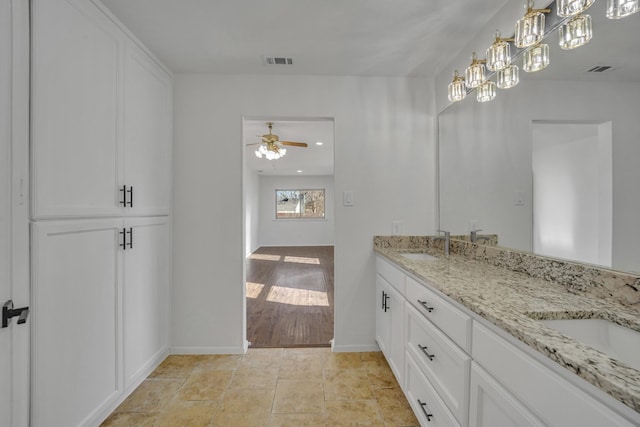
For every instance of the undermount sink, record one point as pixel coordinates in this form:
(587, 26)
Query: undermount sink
(610, 338)
(418, 256)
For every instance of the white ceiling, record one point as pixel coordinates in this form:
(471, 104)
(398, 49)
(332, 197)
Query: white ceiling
(324, 37)
(313, 160)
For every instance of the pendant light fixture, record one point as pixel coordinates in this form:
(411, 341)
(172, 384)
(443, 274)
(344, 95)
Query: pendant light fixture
(572, 7)
(475, 73)
(486, 91)
(499, 54)
(536, 58)
(457, 89)
(617, 9)
(576, 32)
(530, 28)
(508, 77)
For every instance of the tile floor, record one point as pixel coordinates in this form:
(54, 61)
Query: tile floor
(268, 387)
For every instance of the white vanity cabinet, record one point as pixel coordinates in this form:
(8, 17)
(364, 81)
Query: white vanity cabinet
(390, 316)
(461, 370)
(101, 117)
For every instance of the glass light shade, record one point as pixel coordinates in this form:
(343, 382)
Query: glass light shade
(475, 74)
(498, 54)
(268, 154)
(576, 32)
(572, 7)
(617, 9)
(536, 58)
(457, 90)
(486, 91)
(508, 77)
(529, 29)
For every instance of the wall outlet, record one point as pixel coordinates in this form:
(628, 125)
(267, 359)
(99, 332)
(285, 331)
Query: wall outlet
(395, 228)
(519, 198)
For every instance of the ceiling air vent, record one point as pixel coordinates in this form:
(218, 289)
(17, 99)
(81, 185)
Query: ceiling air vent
(278, 60)
(599, 69)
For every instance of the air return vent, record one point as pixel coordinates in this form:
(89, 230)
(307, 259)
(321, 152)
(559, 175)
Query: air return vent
(599, 69)
(278, 60)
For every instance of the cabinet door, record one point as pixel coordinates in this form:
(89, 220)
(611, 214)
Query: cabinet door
(492, 405)
(383, 316)
(395, 306)
(76, 60)
(74, 318)
(145, 295)
(147, 133)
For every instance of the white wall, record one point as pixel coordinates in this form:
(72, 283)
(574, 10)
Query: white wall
(295, 232)
(384, 153)
(488, 153)
(251, 211)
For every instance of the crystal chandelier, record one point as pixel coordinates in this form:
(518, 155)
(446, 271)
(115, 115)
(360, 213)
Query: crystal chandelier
(617, 9)
(576, 32)
(457, 90)
(499, 54)
(536, 58)
(573, 7)
(486, 91)
(530, 28)
(474, 74)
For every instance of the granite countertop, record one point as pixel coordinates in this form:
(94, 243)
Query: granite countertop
(512, 301)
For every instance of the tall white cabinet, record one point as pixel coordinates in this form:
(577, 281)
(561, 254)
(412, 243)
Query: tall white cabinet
(101, 155)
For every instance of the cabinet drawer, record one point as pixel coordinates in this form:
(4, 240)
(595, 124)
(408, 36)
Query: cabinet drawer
(424, 399)
(553, 399)
(452, 321)
(443, 363)
(391, 274)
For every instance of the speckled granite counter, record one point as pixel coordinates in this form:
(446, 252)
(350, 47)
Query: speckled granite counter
(513, 300)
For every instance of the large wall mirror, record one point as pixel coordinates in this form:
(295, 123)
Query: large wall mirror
(552, 166)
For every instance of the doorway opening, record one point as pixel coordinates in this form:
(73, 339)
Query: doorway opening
(572, 191)
(288, 209)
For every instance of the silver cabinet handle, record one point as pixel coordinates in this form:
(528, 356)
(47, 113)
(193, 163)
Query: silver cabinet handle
(424, 350)
(423, 405)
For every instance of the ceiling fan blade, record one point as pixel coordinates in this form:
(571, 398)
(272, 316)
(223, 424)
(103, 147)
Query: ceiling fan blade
(295, 144)
(255, 143)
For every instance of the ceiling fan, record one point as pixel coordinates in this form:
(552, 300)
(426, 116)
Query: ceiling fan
(271, 147)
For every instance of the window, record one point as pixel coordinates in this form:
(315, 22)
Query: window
(299, 204)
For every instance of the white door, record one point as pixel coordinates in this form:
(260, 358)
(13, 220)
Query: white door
(145, 295)
(14, 339)
(147, 134)
(76, 303)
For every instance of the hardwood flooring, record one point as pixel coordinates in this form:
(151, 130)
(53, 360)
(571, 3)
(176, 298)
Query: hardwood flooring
(290, 296)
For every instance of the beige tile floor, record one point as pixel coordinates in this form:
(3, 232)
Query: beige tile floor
(268, 387)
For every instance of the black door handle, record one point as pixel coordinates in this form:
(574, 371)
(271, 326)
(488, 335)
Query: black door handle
(8, 312)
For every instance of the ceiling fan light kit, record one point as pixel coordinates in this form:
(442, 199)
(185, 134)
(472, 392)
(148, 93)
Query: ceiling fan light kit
(271, 147)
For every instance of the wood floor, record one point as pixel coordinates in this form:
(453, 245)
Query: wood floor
(290, 296)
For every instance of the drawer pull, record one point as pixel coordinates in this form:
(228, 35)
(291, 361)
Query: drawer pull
(424, 350)
(424, 304)
(426, 414)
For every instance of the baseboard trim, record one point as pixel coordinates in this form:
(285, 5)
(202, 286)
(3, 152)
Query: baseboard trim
(207, 350)
(360, 348)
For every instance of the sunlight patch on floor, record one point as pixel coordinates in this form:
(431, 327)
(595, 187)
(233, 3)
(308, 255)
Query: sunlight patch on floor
(292, 296)
(302, 260)
(254, 289)
(265, 257)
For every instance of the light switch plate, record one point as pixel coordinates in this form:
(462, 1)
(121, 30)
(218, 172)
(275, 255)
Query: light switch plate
(347, 198)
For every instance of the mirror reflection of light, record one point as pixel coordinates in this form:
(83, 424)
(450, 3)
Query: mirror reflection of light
(302, 297)
(302, 260)
(254, 289)
(265, 257)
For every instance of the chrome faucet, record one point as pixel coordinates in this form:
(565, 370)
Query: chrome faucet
(474, 236)
(447, 240)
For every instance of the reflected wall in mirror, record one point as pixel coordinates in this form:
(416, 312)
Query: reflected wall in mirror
(486, 154)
